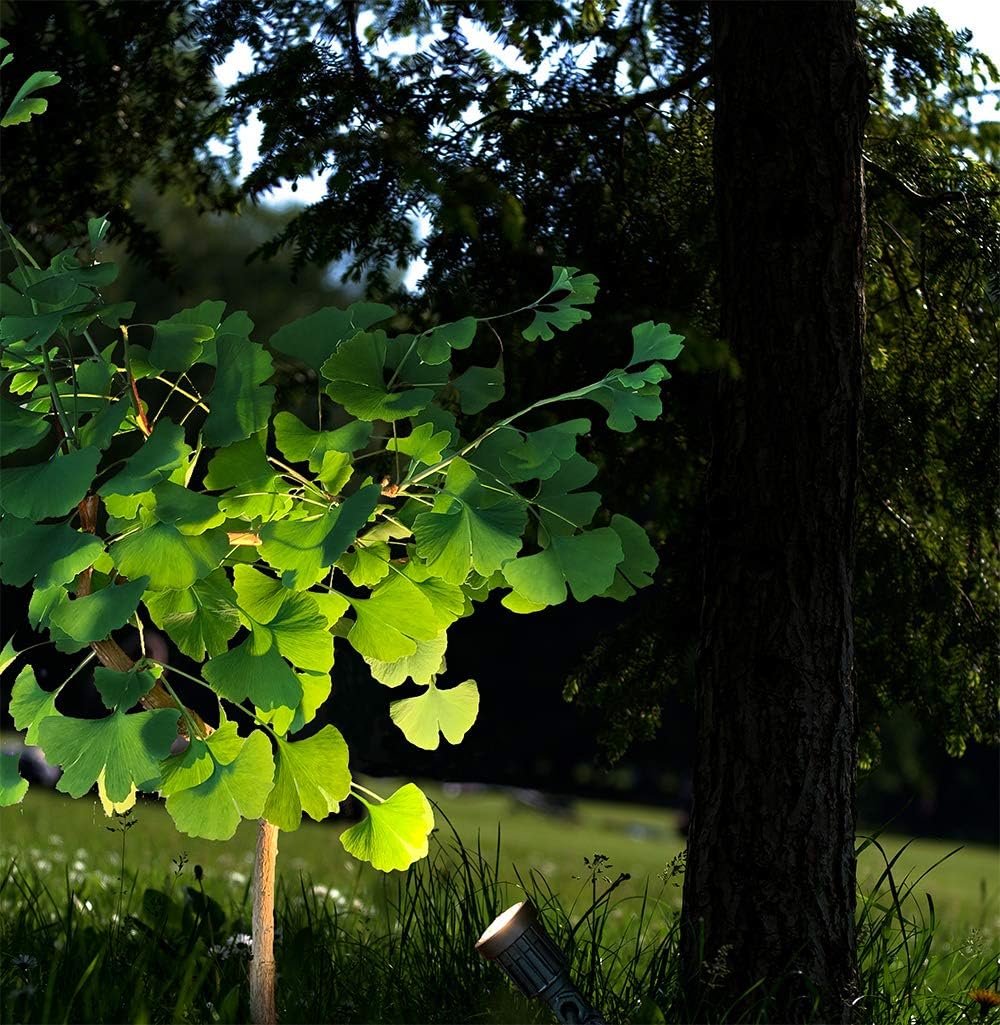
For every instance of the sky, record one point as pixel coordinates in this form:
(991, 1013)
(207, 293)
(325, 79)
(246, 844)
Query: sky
(981, 16)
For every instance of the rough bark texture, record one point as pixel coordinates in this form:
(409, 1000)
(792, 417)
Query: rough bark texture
(263, 1009)
(769, 890)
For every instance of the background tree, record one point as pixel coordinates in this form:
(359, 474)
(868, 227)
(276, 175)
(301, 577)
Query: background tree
(769, 887)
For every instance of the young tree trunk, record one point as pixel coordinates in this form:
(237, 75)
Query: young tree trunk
(769, 890)
(263, 1009)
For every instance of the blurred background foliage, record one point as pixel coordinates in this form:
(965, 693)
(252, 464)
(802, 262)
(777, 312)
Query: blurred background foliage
(581, 135)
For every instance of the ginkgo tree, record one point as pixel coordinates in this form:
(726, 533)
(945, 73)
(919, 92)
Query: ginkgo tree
(155, 486)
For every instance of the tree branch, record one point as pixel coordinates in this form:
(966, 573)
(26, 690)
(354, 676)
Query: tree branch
(918, 201)
(652, 97)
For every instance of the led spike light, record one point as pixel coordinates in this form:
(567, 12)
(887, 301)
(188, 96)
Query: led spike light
(519, 944)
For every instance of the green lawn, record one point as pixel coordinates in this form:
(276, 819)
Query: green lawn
(639, 840)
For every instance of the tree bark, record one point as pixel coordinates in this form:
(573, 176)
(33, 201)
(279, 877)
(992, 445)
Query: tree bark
(263, 1008)
(770, 886)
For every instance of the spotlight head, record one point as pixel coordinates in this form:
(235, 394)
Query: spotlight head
(518, 942)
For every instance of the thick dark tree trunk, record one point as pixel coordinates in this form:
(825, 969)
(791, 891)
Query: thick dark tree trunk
(769, 891)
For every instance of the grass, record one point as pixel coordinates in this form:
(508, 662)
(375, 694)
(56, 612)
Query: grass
(83, 940)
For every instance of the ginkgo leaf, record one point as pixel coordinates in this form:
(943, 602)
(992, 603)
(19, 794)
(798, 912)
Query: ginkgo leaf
(51, 553)
(29, 704)
(357, 381)
(424, 444)
(13, 786)
(291, 620)
(626, 405)
(306, 549)
(197, 761)
(585, 563)
(300, 444)
(101, 428)
(189, 511)
(179, 341)
(239, 401)
(265, 678)
(654, 341)
(313, 338)
(126, 748)
(434, 346)
(123, 690)
(640, 560)
(114, 807)
(539, 454)
(157, 458)
(562, 507)
(450, 712)
(96, 616)
(335, 471)
(200, 618)
(479, 387)
(393, 835)
(311, 776)
(49, 489)
(24, 106)
(316, 689)
(170, 559)
(398, 614)
(367, 564)
(470, 527)
(255, 491)
(421, 667)
(235, 790)
(560, 311)
(20, 428)
(8, 656)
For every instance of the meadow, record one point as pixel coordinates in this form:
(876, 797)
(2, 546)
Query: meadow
(126, 920)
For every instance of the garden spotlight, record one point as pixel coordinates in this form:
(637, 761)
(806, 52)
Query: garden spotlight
(518, 942)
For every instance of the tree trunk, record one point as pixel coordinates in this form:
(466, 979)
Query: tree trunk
(263, 1010)
(769, 890)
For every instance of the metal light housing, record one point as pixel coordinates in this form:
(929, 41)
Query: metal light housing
(519, 944)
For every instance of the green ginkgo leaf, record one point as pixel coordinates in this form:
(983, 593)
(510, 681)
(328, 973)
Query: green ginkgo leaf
(316, 689)
(123, 690)
(51, 553)
(654, 341)
(96, 616)
(239, 401)
(12, 786)
(50, 489)
(111, 419)
(470, 527)
(562, 507)
(29, 704)
(424, 444)
(252, 489)
(157, 458)
(188, 511)
(8, 656)
(450, 712)
(366, 564)
(393, 835)
(357, 381)
(126, 748)
(235, 790)
(312, 339)
(569, 290)
(265, 678)
(399, 613)
(421, 667)
(311, 776)
(290, 620)
(479, 387)
(301, 444)
(305, 549)
(585, 563)
(196, 762)
(20, 428)
(24, 106)
(179, 341)
(434, 346)
(200, 618)
(639, 562)
(626, 405)
(540, 454)
(170, 559)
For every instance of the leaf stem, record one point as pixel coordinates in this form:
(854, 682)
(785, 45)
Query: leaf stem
(193, 731)
(364, 790)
